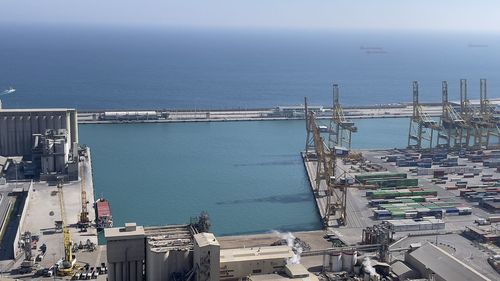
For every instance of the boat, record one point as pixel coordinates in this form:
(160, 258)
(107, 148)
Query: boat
(9, 91)
(323, 129)
(104, 219)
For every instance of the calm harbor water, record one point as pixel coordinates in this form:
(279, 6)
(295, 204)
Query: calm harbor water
(247, 175)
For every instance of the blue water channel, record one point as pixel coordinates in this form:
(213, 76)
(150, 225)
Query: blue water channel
(248, 175)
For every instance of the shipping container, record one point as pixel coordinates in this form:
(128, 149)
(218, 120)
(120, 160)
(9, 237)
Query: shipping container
(364, 177)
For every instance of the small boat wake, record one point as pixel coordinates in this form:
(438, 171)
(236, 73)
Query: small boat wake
(8, 91)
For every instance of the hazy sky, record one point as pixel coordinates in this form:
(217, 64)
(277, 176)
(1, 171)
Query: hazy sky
(469, 15)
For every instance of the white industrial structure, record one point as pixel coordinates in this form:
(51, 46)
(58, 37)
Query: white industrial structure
(436, 263)
(206, 257)
(179, 252)
(237, 264)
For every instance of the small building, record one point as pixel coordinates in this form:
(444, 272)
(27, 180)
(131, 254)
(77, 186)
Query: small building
(237, 264)
(206, 257)
(433, 262)
(483, 234)
(125, 252)
(130, 115)
(295, 111)
(402, 271)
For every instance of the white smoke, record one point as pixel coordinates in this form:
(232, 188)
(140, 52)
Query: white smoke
(290, 241)
(367, 265)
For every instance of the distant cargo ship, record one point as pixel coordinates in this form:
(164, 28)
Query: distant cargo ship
(104, 219)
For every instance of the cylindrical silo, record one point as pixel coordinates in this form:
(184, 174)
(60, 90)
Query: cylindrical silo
(60, 155)
(347, 261)
(326, 262)
(336, 262)
(118, 271)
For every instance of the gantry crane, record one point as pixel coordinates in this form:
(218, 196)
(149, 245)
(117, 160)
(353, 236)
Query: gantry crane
(487, 124)
(452, 126)
(467, 113)
(310, 148)
(422, 126)
(340, 128)
(325, 182)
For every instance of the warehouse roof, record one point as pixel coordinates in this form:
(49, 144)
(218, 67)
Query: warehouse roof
(257, 253)
(296, 270)
(445, 265)
(400, 268)
(122, 233)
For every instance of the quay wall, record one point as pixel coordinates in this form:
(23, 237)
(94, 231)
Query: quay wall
(27, 196)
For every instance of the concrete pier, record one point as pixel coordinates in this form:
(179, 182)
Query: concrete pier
(320, 195)
(357, 213)
(265, 114)
(44, 209)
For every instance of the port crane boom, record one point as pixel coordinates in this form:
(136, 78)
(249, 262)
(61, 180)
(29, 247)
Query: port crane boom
(68, 263)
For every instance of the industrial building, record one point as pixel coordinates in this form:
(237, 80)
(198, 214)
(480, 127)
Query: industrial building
(169, 251)
(434, 262)
(236, 264)
(295, 111)
(179, 252)
(484, 234)
(125, 252)
(46, 139)
(206, 257)
(17, 127)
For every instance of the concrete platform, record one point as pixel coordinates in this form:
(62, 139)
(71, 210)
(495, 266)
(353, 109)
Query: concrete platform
(44, 210)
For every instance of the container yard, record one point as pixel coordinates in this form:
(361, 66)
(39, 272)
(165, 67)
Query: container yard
(435, 186)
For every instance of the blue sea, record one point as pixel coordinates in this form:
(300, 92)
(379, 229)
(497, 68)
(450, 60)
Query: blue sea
(247, 175)
(121, 68)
